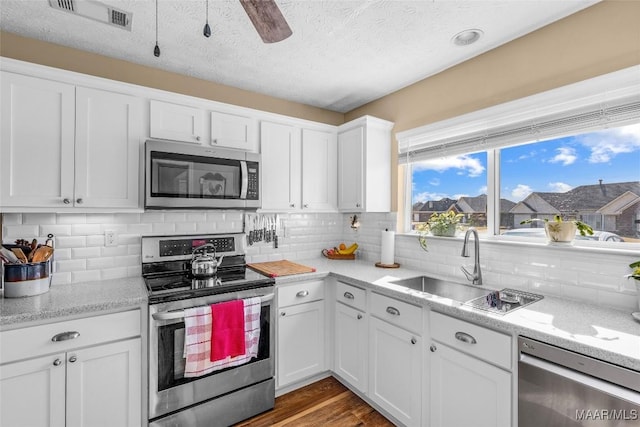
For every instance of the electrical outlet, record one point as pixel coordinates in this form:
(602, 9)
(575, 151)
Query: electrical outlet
(110, 238)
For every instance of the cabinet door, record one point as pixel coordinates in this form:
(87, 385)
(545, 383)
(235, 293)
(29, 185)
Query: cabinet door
(466, 391)
(104, 385)
(351, 346)
(32, 392)
(350, 170)
(233, 131)
(280, 152)
(319, 170)
(176, 122)
(37, 142)
(107, 152)
(300, 349)
(396, 371)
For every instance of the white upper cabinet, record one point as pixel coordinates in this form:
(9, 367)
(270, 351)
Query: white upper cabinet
(234, 131)
(364, 165)
(298, 168)
(176, 122)
(37, 146)
(280, 152)
(107, 150)
(319, 170)
(66, 147)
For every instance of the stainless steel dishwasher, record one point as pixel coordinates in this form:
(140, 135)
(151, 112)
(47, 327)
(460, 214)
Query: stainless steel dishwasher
(557, 388)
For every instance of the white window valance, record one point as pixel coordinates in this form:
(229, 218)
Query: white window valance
(607, 101)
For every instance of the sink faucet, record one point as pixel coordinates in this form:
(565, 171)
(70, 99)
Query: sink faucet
(476, 276)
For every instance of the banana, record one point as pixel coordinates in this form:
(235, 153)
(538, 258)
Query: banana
(351, 249)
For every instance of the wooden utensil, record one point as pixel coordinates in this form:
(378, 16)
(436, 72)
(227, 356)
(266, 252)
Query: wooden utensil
(42, 254)
(20, 254)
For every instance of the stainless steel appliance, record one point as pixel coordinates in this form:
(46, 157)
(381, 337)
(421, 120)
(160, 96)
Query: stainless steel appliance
(557, 388)
(222, 397)
(178, 175)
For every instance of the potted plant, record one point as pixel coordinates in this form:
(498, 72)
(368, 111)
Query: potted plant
(439, 224)
(559, 230)
(635, 274)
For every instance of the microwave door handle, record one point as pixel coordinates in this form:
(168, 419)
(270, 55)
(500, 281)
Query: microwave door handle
(245, 179)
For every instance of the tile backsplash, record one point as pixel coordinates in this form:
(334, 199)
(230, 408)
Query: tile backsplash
(81, 254)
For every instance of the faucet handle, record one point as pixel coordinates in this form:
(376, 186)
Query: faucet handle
(470, 276)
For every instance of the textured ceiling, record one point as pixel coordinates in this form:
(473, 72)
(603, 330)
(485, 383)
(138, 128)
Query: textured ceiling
(342, 54)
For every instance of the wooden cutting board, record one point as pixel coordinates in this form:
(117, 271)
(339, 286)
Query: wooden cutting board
(280, 268)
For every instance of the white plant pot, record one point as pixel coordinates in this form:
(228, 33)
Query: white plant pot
(560, 232)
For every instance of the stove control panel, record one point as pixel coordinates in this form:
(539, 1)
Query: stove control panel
(186, 247)
(170, 248)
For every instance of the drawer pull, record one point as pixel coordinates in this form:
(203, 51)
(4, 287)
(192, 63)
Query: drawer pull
(349, 295)
(464, 337)
(393, 311)
(64, 336)
(433, 348)
(413, 340)
(359, 316)
(57, 362)
(72, 359)
(302, 294)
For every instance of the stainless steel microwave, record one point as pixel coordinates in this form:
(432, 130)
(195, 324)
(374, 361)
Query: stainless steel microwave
(180, 176)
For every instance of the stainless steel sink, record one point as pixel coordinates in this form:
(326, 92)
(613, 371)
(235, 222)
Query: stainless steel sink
(442, 288)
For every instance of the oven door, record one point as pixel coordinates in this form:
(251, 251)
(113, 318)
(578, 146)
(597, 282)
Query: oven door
(169, 390)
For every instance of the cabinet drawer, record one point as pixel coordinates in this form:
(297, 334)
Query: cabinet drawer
(478, 341)
(299, 293)
(351, 296)
(397, 312)
(25, 343)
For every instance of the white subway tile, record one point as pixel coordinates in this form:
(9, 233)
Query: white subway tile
(101, 263)
(141, 229)
(152, 217)
(71, 265)
(580, 293)
(13, 232)
(95, 240)
(89, 252)
(56, 230)
(113, 251)
(127, 260)
(135, 249)
(85, 229)
(61, 253)
(71, 218)
(12, 219)
(116, 228)
(114, 273)
(163, 228)
(175, 217)
(126, 218)
(205, 227)
(618, 299)
(129, 239)
(100, 218)
(134, 271)
(60, 278)
(196, 217)
(220, 216)
(85, 276)
(185, 227)
(39, 218)
(71, 241)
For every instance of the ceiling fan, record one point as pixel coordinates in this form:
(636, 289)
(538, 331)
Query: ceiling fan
(268, 20)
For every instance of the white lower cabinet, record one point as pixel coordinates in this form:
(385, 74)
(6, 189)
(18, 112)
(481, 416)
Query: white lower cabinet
(300, 351)
(351, 346)
(465, 389)
(395, 358)
(90, 381)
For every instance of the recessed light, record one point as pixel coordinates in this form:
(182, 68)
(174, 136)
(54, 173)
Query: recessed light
(467, 37)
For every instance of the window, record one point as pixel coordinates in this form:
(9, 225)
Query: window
(573, 152)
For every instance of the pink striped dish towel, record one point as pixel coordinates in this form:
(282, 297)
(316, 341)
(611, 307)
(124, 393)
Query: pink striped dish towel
(197, 340)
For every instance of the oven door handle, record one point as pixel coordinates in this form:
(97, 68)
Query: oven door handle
(179, 314)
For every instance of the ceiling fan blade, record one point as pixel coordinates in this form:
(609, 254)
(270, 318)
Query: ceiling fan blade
(268, 20)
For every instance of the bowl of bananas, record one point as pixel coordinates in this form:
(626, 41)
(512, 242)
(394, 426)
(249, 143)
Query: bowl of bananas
(342, 251)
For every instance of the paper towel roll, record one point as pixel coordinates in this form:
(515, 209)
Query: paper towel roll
(387, 247)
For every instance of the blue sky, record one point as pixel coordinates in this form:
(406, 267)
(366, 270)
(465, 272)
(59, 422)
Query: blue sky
(559, 165)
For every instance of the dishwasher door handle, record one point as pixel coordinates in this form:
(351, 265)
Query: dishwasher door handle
(578, 377)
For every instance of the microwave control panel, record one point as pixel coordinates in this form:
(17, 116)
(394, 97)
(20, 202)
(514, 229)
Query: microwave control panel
(253, 174)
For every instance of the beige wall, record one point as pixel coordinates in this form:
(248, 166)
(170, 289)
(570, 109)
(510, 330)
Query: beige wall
(31, 50)
(598, 40)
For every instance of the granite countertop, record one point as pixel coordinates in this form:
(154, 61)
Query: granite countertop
(74, 299)
(603, 333)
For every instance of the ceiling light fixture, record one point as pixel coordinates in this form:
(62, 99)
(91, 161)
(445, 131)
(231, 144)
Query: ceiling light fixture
(467, 37)
(156, 50)
(207, 29)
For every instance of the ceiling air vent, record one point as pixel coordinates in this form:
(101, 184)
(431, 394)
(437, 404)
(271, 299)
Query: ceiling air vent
(95, 10)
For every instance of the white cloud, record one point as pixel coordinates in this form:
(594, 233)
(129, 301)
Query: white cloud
(434, 181)
(482, 190)
(521, 191)
(565, 155)
(466, 164)
(559, 187)
(607, 144)
(425, 196)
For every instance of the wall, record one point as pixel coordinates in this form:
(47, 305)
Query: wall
(39, 52)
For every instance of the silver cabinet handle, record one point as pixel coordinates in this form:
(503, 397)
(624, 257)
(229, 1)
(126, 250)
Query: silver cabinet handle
(72, 359)
(357, 205)
(64, 336)
(393, 311)
(215, 141)
(292, 205)
(79, 200)
(413, 340)
(305, 205)
(348, 295)
(197, 138)
(282, 313)
(66, 201)
(464, 337)
(433, 348)
(302, 294)
(57, 362)
(359, 316)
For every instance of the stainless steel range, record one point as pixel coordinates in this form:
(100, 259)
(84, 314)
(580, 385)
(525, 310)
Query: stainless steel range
(183, 272)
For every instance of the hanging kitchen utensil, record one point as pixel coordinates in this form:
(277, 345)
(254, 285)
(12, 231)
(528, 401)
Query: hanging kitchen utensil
(267, 19)
(207, 29)
(156, 50)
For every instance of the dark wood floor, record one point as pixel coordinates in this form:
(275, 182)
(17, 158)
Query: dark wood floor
(323, 403)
